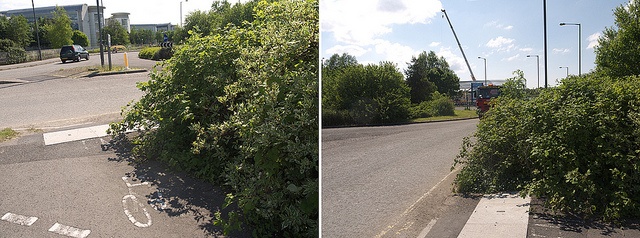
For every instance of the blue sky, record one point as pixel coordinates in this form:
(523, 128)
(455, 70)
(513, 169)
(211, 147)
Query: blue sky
(502, 31)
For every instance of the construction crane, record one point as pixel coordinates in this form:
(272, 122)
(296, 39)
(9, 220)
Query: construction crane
(473, 78)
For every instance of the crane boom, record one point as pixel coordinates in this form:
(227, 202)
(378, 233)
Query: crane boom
(473, 78)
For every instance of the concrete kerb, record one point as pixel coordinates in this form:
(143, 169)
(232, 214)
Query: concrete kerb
(94, 74)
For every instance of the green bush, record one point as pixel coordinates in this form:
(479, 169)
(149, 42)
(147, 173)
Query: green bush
(240, 109)
(372, 94)
(332, 117)
(440, 105)
(155, 53)
(576, 145)
(16, 55)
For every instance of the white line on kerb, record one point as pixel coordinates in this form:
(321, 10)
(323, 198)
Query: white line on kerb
(19, 219)
(426, 230)
(69, 231)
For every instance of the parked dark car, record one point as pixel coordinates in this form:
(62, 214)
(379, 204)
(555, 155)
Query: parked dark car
(73, 52)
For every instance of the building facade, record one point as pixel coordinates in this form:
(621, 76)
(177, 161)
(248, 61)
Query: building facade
(83, 18)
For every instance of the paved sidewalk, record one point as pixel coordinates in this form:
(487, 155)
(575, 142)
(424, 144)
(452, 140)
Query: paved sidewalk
(544, 224)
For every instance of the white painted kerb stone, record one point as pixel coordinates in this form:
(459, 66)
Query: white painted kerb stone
(58, 137)
(498, 216)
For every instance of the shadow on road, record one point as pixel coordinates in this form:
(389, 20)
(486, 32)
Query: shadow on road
(184, 195)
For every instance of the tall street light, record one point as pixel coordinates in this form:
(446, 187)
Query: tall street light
(485, 69)
(566, 67)
(579, 44)
(35, 20)
(181, 11)
(537, 66)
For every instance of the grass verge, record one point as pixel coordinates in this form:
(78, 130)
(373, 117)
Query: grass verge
(460, 114)
(7, 134)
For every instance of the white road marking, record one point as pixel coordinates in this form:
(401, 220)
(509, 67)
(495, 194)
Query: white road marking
(426, 230)
(58, 137)
(415, 203)
(69, 231)
(128, 213)
(19, 219)
(135, 200)
(505, 215)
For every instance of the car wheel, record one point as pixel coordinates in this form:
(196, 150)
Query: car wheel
(64, 61)
(87, 57)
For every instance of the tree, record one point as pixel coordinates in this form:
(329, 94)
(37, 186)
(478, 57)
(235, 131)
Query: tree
(79, 38)
(59, 32)
(427, 74)
(16, 29)
(141, 36)
(119, 35)
(339, 61)
(618, 53)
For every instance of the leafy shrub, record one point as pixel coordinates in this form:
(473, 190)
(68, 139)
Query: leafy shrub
(371, 94)
(239, 108)
(155, 53)
(440, 105)
(577, 145)
(79, 38)
(16, 55)
(332, 117)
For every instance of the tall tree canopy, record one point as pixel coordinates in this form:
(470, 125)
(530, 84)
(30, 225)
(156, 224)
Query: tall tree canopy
(339, 61)
(79, 38)
(119, 35)
(59, 32)
(427, 74)
(618, 53)
(16, 29)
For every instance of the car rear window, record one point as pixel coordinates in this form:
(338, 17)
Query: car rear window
(67, 48)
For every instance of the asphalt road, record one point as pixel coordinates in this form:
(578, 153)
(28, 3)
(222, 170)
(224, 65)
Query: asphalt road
(40, 99)
(381, 181)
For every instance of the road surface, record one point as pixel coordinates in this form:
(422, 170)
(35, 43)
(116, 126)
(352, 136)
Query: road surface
(374, 177)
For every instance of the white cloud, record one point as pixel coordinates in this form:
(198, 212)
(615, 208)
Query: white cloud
(354, 50)
(394, 52)
(560, 51)
(512, 58)
(499, 42)
(456, 63)
(526, 49)
(498, 25)
(593, 40)
(358, 23)
(434, 44)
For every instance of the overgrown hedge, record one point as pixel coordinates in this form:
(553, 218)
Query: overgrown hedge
(240, 109)
(440, 105)
(155, 53)
(576, 145)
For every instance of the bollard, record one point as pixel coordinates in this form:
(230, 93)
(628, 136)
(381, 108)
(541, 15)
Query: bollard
(126, 61)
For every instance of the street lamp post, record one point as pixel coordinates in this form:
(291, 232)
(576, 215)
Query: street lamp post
(181, 11)
(35, 20)
(579, 44)
(566, 67)
(538, 66)
(485, 69)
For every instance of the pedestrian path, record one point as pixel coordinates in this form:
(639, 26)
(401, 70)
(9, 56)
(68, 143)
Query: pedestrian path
(502, 215)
